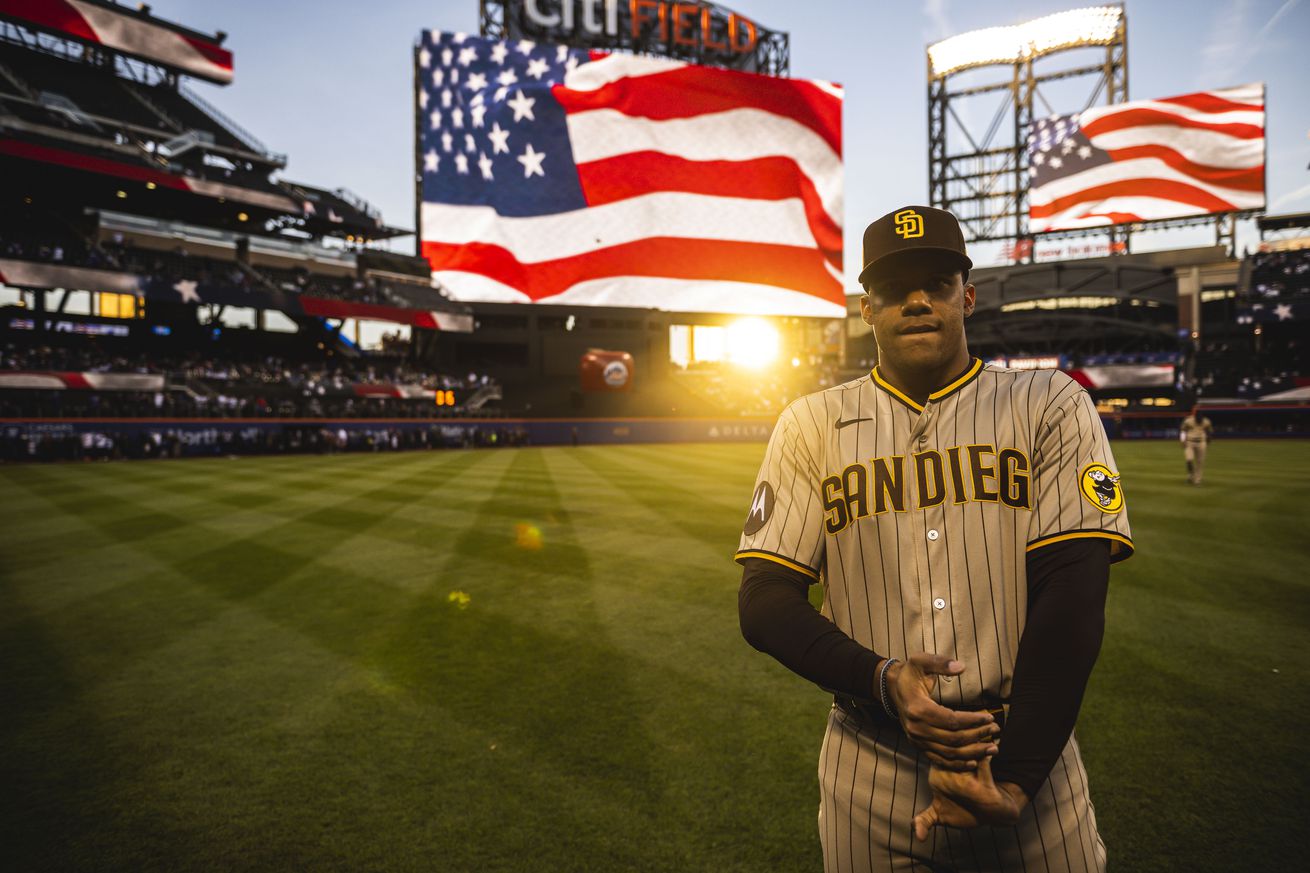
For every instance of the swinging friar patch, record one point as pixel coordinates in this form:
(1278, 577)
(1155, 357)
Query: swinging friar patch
(1101, 488)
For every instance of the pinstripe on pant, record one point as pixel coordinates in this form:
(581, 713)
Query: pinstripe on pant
(872, 781)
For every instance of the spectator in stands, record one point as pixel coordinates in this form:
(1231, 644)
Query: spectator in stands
(251, 387)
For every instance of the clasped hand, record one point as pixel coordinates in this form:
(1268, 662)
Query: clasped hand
(950, 739)
(958, 744)
(969, 800)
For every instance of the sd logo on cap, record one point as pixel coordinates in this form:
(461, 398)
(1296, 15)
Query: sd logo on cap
(913, 228)
(909, 224)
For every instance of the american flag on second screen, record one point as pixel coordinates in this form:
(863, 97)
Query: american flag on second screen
(559, 175)
(1149, 159)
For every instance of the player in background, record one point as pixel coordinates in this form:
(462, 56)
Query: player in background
(1194, 433)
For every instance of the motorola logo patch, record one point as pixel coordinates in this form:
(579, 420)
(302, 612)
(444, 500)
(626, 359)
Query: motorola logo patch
(761, 508)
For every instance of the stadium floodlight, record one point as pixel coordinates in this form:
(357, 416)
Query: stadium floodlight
(1094, 25)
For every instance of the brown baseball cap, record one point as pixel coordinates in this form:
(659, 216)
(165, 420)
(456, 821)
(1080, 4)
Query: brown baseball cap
(910, 229)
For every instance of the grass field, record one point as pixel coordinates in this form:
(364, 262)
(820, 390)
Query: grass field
(529, 660)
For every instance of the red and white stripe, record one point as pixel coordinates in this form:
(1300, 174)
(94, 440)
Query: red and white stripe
(432, 319)
(1124, 376)
(37, 274)
(707, 190)
(387, 389)
(73, 381)
(1180, 156)
(127, 33)
(138, 173)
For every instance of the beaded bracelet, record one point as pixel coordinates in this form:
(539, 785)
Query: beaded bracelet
(883, 697)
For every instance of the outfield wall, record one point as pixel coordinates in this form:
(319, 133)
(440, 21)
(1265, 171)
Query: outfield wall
(53, 439)
(548, 431)
(62, 439)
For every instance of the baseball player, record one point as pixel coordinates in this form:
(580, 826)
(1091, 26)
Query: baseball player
(1194, 433)
(962, 520)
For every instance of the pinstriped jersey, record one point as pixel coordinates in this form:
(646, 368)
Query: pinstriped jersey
(1196, 429)
(917, 519)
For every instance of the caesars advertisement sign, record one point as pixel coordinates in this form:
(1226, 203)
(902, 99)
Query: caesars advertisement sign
(694, 31)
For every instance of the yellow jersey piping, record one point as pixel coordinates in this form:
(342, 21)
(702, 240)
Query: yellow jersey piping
(778, 559)
(969, 375)
(1084, 534)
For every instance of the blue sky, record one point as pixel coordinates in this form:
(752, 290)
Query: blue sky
(330, 83)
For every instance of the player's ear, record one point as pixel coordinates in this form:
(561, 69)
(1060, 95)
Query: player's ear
(970, 296)
(866, 308)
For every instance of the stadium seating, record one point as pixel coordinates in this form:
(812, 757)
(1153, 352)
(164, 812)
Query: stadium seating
(65, 103)
(231, 382)
(88, 88)
(186, 115)
(1239, 366)
(51, 243)
(1280, 275)
(298, 251)
(1134, 356)
(302, 281)
(1258, 357)
(713, 389)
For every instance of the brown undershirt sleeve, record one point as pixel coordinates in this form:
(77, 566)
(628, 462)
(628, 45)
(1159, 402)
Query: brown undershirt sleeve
(1066, 619)
(1067, 586)
(777, 619)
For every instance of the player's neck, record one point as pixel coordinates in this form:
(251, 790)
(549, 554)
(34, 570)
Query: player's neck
(918, 384)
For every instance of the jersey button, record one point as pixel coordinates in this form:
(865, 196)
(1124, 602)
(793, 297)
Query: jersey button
(939, 603)
(932, 535)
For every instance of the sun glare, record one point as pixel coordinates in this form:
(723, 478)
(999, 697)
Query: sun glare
(752, 342)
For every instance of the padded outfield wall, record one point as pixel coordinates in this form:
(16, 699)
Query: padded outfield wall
(201, 437)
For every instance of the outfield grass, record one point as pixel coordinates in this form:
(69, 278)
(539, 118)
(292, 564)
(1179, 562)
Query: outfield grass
(258, 664)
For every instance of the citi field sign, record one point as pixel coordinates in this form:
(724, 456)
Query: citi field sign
(702, 31)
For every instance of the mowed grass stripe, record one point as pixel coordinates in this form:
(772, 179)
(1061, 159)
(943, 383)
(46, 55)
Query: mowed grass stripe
(656, 488)
(1197, 622)
(692, 477)
(632, 564)
(573, 787)
(707, 461)
(231, 568)
(281, 680)
(121, 522)
(603, 504)
(107, 495)
(604, 721)
(1235, 540)
(303, 607)
(668, 614)
(242, 483)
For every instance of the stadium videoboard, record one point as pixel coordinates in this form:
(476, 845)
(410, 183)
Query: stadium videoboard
(560, 175)
(1149, 160)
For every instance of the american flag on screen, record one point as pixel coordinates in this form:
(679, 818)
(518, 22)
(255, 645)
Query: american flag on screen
(1149, 159)
(560, 175)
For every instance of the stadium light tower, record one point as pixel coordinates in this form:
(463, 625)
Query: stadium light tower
(982, 174)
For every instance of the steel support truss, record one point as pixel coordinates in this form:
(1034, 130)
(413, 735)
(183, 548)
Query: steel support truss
(981, 174)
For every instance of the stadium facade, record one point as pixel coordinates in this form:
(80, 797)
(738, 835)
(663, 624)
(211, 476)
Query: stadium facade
(166, 290)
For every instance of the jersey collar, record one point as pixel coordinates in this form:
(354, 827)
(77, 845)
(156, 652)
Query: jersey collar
(970, 373)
